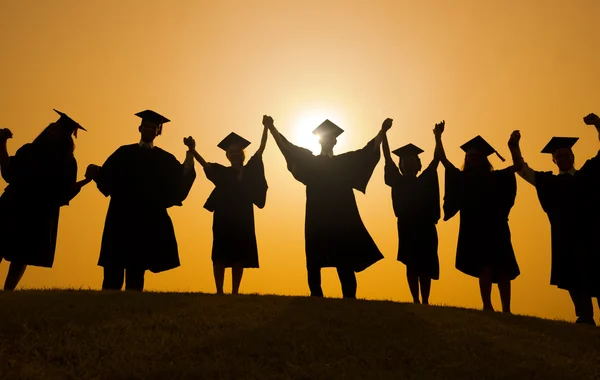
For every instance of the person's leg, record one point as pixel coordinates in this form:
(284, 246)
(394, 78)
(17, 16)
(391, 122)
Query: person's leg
(504, 286)
(425, 283)
(15, 273)
(134, 279)
(314, 281)
(485, 288)
(237, 271)
(219, 273)
(348, 281)
(113, 278)
(413, 284)
(584, 309)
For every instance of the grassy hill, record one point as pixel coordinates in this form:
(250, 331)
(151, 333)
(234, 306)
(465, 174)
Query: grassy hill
(94, 335)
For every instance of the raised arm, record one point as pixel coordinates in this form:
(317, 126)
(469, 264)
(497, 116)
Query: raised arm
(386, 150)
(439, 153)
(5, 134)
(519, 165)
(593, 119)
(191, 144)
(387, 124)
(270, 125)
(265, 135)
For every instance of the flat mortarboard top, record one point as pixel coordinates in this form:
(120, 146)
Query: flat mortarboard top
(233, 140)
(479, 144)
(69, 123)
(557, 143)
(408, 150)
(327, 128)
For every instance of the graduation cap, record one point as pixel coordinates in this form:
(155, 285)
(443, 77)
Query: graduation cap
(327, 128)
(557, 143)
(408, 150)
(71, 125)
(153, 117)
(479, 144)
(233, 140)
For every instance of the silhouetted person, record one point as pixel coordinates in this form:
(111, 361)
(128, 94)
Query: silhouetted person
(237, 189)
(41, 179)
(416, 201)
(484, 198)
(589, 174)
(561, 198)
(334, 232)
(143, 181)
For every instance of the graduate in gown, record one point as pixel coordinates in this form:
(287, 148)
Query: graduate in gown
(334, 232)
(484, 198)
(589, 174)
(41, 179)
(416, 200)
(142, 181)
(561, 198)
(238, 188)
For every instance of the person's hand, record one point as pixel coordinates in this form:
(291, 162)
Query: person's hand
(189, 142)
(5, 134)
(592, 119)
(267, 121)
(513, 141)
(439, 128)
(387, 124)
(92, 171)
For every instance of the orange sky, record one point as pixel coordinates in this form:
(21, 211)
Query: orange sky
(214, 67)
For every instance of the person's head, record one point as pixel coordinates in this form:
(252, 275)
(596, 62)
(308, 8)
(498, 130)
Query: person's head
(475, 160)
(234, 146)
(151, 125)
(408, 160)
(561, 149)
(328, 133)
(56, 137)
(477, 151)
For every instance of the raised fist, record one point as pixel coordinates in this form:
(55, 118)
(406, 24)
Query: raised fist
(592, 119)
(387, 124)
(5, 134)
(189, 142)
(439, 128)
(514, 139)
(267, 121)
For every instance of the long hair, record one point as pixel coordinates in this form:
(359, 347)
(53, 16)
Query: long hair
(63, 145)
(486, 164)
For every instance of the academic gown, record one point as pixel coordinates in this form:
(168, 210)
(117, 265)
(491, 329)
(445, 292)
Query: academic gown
(560, 197)
(232, 201)
(484, 201)
(334, 232)
(417, 206)
(39, 183)
(142, 185)
(589, 175)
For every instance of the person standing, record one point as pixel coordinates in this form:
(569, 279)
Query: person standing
(142, 181)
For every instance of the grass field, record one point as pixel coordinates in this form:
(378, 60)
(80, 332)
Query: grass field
(94, 335)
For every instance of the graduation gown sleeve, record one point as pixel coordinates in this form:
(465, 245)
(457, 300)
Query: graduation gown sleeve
(215, 174)
(181, 182)
(109, 172)
(255, 181)
(453, 193)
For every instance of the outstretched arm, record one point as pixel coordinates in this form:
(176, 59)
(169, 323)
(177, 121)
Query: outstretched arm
(386, 149)
(519, 165)
(263, 139)
(440, 154)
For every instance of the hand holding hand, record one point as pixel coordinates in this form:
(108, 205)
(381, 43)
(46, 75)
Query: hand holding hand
(5, 134)
(189, 142)
(513, 141)
(267, 121)
(439, 128)
(92, 171)
(592, 119)
(387, 124)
